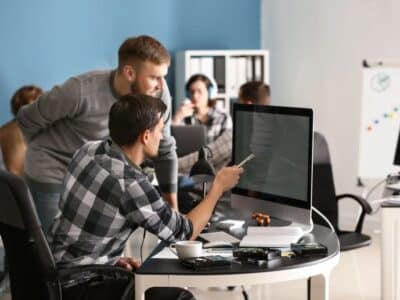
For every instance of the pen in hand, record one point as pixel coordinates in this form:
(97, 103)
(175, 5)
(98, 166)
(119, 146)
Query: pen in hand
(247, 159)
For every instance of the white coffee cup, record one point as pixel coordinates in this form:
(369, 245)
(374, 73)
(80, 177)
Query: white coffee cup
(187, 249)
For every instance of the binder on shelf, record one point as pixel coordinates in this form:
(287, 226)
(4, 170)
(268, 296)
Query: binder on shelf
(249, 68)
(219, 73)
(195, 66)
(207, 66)
(233, 69)
(258, 68)
(241, 73)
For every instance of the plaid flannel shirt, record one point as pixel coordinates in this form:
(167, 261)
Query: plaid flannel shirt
(221, 150)
(218, 121)
(219, 140)
(105, 199)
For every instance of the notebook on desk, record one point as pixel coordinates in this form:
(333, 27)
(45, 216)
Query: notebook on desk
(275, 237)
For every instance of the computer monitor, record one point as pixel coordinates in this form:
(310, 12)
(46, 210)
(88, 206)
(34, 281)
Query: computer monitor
(278, 180)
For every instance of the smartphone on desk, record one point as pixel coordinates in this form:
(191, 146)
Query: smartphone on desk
(204, 262)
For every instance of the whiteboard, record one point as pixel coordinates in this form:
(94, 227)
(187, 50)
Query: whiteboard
(380, 121)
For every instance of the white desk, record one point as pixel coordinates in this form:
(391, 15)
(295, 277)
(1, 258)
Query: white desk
(390, 270)
(170, 273)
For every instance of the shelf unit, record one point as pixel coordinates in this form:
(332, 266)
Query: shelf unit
(229, 68)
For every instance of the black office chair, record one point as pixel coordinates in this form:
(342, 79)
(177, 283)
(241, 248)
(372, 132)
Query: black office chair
(326, 200)
(188, 138)
(31, 266)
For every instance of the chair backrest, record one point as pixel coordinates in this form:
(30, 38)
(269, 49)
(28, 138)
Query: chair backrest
(30, 262)
(2, 166)
(324, 194)
(189, 138)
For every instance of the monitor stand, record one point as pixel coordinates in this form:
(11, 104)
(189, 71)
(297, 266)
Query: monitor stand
(277, 222)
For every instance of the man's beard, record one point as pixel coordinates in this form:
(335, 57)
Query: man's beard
(135, 89)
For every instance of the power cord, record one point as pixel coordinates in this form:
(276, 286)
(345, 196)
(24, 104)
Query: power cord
(391, 198)
(309, 229)
(369, 193)
(323, 217)
(390, 179)
(141, 246)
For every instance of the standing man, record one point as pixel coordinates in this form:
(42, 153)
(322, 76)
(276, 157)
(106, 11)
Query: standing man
(69, 115)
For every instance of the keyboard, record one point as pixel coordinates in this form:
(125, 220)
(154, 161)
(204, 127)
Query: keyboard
(219, 236)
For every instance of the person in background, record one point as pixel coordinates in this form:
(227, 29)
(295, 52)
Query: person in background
(252, 92)
(71, 114)
(201, 109)
(261, 133)
(105, 178)
(255, 92)
(12, 141)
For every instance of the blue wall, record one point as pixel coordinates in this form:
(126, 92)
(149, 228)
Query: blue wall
(45, 41)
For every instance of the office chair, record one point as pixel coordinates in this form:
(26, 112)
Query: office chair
(32, 269)
(189, 138)
(326, 200)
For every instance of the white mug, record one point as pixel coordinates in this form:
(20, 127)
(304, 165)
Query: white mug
(187, 249)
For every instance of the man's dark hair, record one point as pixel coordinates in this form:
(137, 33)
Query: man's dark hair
(24, 95)
(141, 49)
(254, 91)
(132, 115)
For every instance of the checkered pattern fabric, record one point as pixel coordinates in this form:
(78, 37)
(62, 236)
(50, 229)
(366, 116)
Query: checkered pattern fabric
(219, 140)
(105, 199)
(218, 121)
(221, 150)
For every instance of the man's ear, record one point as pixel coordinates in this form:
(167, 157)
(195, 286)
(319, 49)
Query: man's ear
(144, 137)
(129, 73)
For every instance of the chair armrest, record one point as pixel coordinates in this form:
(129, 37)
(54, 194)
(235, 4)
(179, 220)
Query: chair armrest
(366, 207)
(72, 276)
(80, 274)
(99, 269)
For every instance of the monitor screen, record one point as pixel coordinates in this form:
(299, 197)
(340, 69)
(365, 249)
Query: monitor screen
(281, 140)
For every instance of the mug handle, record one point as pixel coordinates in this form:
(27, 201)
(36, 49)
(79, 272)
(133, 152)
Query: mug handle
(173, 249)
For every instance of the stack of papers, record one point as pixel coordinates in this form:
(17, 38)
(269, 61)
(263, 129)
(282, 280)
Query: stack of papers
(279, 237)
(230, 224)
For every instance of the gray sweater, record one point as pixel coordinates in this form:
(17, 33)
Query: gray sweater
(68, 116)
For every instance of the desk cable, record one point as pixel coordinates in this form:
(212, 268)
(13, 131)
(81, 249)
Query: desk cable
(366, 194)
(378, 201)
(141, 245)
(323, 217)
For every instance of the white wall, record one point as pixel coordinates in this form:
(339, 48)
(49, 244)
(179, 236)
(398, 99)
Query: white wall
(316, 49)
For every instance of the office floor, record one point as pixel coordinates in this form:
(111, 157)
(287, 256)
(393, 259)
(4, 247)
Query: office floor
(357, 277)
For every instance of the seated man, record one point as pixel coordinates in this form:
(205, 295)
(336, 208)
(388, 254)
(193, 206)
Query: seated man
(107, 196)
(255, 92)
